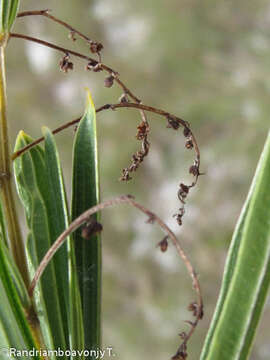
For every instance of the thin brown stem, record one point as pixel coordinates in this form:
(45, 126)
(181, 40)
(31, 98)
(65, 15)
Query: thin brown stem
(173, 121)
(36, 142)
(46, 14)
(113, 107)
(79, 55)
(152, 218)
(56, 47)
(138, 104)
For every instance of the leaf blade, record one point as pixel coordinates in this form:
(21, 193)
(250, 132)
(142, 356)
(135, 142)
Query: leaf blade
(85, 193)
(68, 282)
(247, 277)
(15, 304)
(14, 7)
(32, 185)
(8, 12)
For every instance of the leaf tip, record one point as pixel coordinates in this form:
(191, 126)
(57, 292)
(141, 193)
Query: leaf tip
(89, 99)
(45, 130)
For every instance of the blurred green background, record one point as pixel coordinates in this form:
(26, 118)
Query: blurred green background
(205, 61)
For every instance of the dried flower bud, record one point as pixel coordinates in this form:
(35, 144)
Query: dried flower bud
(97, 68)
(108, 82)
(186, 132)
(143, 130)
(125, 175)
(71, 36)
(181, 353)
(194, 170)
(172, 123)
(183, 335)
(180, 356)
(124, 98)
(163, 244)
(179, 215)
(65, 64)
(184, 188)
(95, 47)
(193, 307)
(91, 228)
(189, 144)
(182, 192)
(91, 65)
(151, 219)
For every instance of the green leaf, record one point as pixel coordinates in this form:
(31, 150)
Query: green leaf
(46, 219)
(85, 193)
(3, 232)
(8, 9)
(67, 280)
(15, 331)
(76, 316)
(14, 7)
(247, 274)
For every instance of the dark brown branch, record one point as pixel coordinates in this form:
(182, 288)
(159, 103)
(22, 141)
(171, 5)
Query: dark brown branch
(113, 107)
(84, 218)
(58, 48)
(173, 121)
(61, 22)
(36, 142)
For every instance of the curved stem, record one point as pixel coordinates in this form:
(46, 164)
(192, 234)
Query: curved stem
(7, 196)
(61, 22)
(152, 218)
(113, 107)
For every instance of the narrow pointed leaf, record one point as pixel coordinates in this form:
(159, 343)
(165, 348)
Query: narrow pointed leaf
(247, 274)
(15, 331)
(8, 12)
(34, 188)
(3, 232)
(5, 5)
(14, 7)
(85, 193)
(67, 280)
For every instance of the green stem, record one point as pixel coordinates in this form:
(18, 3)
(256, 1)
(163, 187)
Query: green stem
(16, 244)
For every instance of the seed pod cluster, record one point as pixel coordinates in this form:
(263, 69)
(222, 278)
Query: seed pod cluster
(65, 64)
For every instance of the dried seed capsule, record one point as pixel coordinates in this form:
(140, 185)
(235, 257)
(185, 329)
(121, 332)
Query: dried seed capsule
(189, 144)
(108, 82)
(184, 188)
(97, 68)
(186, 132)
(193, 307)
(95, 47)
(163, 244)
(172, 123)
(65, 64)
(91, 65)
(71, 36)
(123, 98)
(194, 170)
(91, 228)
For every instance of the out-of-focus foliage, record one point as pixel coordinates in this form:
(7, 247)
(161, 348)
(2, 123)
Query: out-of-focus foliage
(246, 276)
(9, 10)
(204, 61)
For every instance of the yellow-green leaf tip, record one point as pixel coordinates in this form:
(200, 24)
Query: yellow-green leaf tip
(44, 130)
(89, 100)
(23, 136)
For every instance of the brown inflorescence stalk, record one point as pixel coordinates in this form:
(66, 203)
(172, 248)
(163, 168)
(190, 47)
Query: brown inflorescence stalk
(128, 99)
(196, 307)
